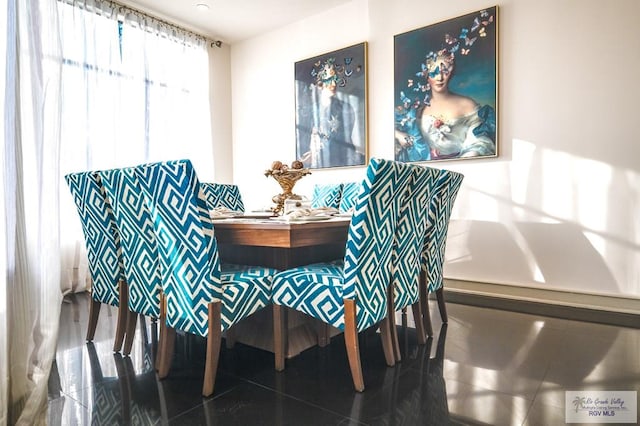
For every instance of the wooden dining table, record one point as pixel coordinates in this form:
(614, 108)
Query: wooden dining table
(281, 245)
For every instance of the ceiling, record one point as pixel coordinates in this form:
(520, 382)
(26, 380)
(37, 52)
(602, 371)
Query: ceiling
(231, 21)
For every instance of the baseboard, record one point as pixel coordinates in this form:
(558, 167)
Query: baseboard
(612, 310)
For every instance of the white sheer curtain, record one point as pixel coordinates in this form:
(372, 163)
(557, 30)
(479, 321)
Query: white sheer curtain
(134, 90)
(29, 290)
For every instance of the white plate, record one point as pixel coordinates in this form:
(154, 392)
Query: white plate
(257, 215)
(222, 216)
(302, 218)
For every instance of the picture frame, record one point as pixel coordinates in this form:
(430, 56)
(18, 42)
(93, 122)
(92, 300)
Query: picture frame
(331, 108)
(446, 89)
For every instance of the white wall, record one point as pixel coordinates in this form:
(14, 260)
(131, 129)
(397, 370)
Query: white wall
(560, 207)
(220, 102)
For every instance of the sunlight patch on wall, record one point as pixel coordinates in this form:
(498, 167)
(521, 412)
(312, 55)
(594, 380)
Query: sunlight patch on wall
(523, 152)
(557, 186)
(592, 180)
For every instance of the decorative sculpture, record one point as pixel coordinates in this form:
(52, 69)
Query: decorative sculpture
(287, 177)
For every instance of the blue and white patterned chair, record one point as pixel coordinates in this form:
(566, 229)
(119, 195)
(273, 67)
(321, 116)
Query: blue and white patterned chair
(444, 196)
(326, 195)
(199, 295)
(139, 247)
(348, 198)
(409, 242)
(350, 295)
(222, 195)
(103, 250)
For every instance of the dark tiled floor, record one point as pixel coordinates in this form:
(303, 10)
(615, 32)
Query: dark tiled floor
(486, 367)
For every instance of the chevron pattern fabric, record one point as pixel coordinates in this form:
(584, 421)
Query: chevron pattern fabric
(319, 289)
(139, 247)
(101, 235)
(410, 234)
(349, 196)
(188, 252)
(444, 196)
(222, 195)
(326, 195)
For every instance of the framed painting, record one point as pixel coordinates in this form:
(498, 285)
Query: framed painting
(331, 108)
(446, 89)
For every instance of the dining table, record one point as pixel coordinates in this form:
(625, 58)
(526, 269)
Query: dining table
(279, 243)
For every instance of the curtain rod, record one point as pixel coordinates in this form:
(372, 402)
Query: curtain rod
(124, 8)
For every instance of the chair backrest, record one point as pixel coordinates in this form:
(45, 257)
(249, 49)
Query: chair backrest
(101, 235)
(410, 235)
(349, 195)
(367, 261)
(186, 245)
(327, 195)
(444, 195)
(222, 195)
(139, 247)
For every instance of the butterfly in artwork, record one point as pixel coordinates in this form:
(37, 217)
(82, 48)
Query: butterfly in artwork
(435, 71)
(403, 98)
(469, 41)
(476, 24)
(463, 33)
(449, 39)
(482, 32)
(488, 21)
(465, 51)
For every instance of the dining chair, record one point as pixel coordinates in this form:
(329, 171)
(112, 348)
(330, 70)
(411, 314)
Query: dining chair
(104, 251)
(200, 296)
(139, 247)
(433, 253)
(350, 294)
(326, 195)
(349, 196)
(407, 248)
(222, 195)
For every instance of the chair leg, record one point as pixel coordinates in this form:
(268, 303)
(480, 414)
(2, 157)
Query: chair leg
(154, 338)
(94, 312)
(441, 306)
(123, 310)
(230, 339)
(387, 343)
(391, 315)
(213, 348)
(424, 300)
(279, 335)
(417, 319)
(404, 322)
(323, 334)
(165, 355)
(351, 340)
(166, 341)
(132, 321)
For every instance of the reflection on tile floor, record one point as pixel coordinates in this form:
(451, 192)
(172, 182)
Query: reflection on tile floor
(485, 367)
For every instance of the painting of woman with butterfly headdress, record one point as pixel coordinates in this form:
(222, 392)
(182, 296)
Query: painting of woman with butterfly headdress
(446, 89)
(331, 109)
